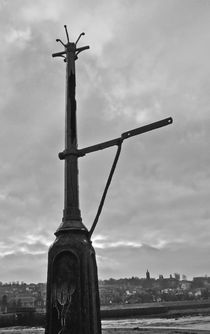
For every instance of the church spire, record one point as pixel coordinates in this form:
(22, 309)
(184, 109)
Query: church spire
(147, 275)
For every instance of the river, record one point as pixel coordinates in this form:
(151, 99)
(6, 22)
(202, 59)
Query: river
(188, 322)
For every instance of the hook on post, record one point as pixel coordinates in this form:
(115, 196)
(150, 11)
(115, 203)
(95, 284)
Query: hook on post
(82, 34)
(59, 40)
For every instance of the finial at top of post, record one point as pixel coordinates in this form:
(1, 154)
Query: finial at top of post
(67, 34)
(70, 46)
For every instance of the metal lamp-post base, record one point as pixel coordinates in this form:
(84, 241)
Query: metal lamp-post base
(72, 286)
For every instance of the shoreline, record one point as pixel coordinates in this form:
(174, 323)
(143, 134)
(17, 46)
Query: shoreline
(154, 330)
(165, 309)
(136, 330)
(115, 316)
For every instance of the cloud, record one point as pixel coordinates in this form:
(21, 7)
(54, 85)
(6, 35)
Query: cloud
(23, 267)
(134, 262)
(41, 11)
(147, 61)
(100, 243)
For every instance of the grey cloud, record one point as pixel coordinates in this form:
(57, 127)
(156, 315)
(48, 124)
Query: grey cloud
(23, 267)
(164, 261)
(147, 61)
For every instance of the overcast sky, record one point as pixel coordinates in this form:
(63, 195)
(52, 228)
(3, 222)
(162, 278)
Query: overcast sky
(147, 60)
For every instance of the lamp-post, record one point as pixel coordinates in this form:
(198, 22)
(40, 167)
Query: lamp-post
(73, 305)
(72, 283)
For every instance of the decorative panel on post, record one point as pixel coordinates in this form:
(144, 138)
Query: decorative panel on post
(72, 286)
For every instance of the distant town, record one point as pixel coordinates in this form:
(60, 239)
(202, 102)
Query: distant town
(19, 296)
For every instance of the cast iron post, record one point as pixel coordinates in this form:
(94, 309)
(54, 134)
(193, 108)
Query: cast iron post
(72, 285)
(73, 305)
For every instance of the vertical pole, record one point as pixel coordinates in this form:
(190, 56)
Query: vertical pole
(71, 213)
(71, 201)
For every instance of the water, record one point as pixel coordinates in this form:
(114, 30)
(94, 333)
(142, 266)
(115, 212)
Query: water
(188, 322)
(20, 330)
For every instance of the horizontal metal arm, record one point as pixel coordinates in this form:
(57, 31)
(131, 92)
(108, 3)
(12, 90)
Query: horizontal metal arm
(82, 48)
(125, 135)
(100, 146)
(58, 54)
(117, 141)
(78, 50)
(147, 128)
